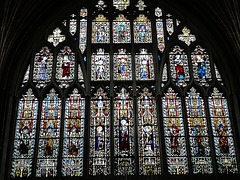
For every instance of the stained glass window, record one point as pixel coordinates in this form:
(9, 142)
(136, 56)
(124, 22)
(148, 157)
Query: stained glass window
(99, 162)
(65, 67)
(80, 74)
(121, 4)
(149, 153)
(43, 63)
(48, 146)
(142, 29)
(222, 132)
(198, 131)
(83, 30)
(169, 24)
(100, 69)
(56, 38)
(24, 141)
(100, 30)
(174, 133)
(179, 66)
(73, 135)
(144, 65)
(122, 65)
(121, 30)
(186, 36)
(140, 5)
(124, 134)
(201, 66)
(73, 25)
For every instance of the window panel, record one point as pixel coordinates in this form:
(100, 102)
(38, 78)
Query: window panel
(121, 30)
(142, 30)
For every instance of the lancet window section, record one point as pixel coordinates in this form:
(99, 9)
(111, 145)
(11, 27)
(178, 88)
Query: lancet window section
(121, 30)
(142, 29)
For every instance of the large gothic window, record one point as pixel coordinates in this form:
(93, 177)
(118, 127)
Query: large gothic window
(122, 89)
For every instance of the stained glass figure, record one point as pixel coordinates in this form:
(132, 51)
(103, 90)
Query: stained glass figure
(142, 30)
(65, 67)
(179, 66)
(148, 138)
(100, 70)
(121, 30)
(218, 75)
(222, 132)
(121, 4)
(100, 30)
(42, 72)
(164, 74)
(56, 38)
(169, 24)
(140, 5)
(80, 74)
(144, 65)
(160, 35)
(186, 36)
(99, 155)
(198, 132)
(201, 66)
(24, 141)
(49, 136)
(83, 35)
(73, 25)
(123, 134)
(174, 133)
(73, 142)
(101, 5)
(122, 65)
(26, 76)
(158, 12)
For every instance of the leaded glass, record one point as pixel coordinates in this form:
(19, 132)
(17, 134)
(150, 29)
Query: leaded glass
(101, 5)
(218, 75)
(121, 30)
(179, 66)
(160, 35)
(100, 70)
(222, 132)
(201, 66)
(186, 36)
(178, 22)
(83, 35)
(164, 74)
(100, 30)
(122, 65)
(73, 142)
(158, 12)
(73, 25)
(121, 4)
(65, 67)
(99, 155)
(142, 30)
(124, 134)
(144, 65)
(49, 135)
(140, 5)
(26, 76)
(174, 133)
(56, 38)
(42, 72)
(149, 153)
(169, 24)
(198, 132)
(80, 74)
(24, 141)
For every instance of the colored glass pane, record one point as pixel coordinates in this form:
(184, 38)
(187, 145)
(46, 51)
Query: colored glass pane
(160, 35)
(179, 66)
(186, 36)
(201, 66)
(100, 70)
(222, 132)
(169, 24)
(218, 75)
(99, 155)
(100, 30)
(122, 65)
(121, 30)
(123, 134)
(24, 141)
(198, 132)
(121, 4)
(65, 67)
(144, 65)
(42, 72)
(48, 146)
(140, 5)
(80, 74)
(142, 30)
(73, 25)
(73, 142)
(149, 153)
(56, 38)
(83, 35)
(174, 133)
(26, 76)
